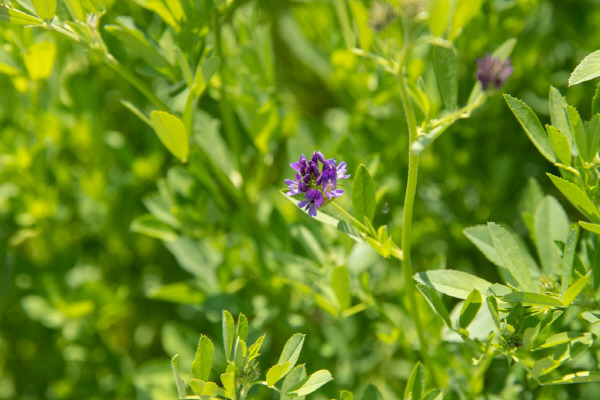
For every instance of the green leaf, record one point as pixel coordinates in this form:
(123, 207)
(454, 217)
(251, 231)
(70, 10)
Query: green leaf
(532, 126)
(253, 350)
(503, 51)
(592, 133)
(39, 60)
(574, 290)
(346, 395)
(452, 283)
(291, 350)
(415, 385)
(568, 258)
(228, 332)
(558, 116)
(595, 228)
(469, 309)
(363, 194)
(296, 375)
(596, 102)
(45, 9)
(543, 367)
(276, 372)
(17, 17)
(149, 225)
(464, 11)
(371, 393)
(445, 65)
(577, 197)
(560, 338)
(228, 381)
(560, 145)
(75, 9)
(588, 68)
(435, 302)
(439, 11)
(578, 131)
(492, 304)
(242, 327)
(479, 235)
(178, 292)
(340, 282)
(591, 317)
(551, 224)
(310, 384)
(171, 132)
(180, 384)
(202, 388)
(532, 299)
(202, 364)
(511, 255)
(577, 377)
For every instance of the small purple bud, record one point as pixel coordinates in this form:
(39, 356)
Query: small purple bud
(493, 71)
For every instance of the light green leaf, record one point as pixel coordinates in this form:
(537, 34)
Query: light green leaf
(346, 395)
(577, 197)
(511, 255)
(445, 64)
(45, 9)
(558, 115)
(291, 350)
(228, 381)
(439, 11)
(310, 384)
(532, 126)
(296, 375)
(340, 282)
(591, 317)
(452, 283)
(178, 292)
(479, 235)
(560, 145)
(589, 68)
(435, 302)
(242, 327)
(532, 299)
(574, 290)
(202, 388)
(276, 372)
(228, 332)
(253, 350)
(595, 228)
(149, 225)
(578, 131)
(39, 60)
(171, 132)
(503, 51)
(596, 102)
(543, 367)
(180, 384)
(551, 224)
(415, 385)
(363, 194)
(464, 11)
(202, 364)
(75, 9)
(577, 377)
(560, 338)
(469, 309)
(17, 17)
(568, 258)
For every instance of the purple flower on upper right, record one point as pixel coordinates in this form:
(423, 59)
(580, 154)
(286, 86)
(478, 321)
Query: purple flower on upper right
(493, 72)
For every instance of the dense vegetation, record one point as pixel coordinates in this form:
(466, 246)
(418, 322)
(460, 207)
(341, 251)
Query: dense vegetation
(144, 148)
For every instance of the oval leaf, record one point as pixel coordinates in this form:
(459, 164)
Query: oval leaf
(17, 17)
(203, 361)
(45, 9)
(589, 68)
(171, 132)
(310, 384)
(452, 283)
(577, 197)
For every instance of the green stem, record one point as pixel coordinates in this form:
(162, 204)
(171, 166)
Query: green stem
(409, 199)
(350, 217)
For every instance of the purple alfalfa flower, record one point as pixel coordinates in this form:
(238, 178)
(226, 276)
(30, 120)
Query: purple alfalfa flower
(330, 184)
(312, 201)
(493, 71)
(294, 186)
(341, 171)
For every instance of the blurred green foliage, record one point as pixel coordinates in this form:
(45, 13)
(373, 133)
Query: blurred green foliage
(115, 255)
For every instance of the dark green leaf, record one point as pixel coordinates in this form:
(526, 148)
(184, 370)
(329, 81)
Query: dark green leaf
(469, 309)
(445, 64)
(568, 258)
(415, 385)
(596, 102)
(371, 393)
(492, 304)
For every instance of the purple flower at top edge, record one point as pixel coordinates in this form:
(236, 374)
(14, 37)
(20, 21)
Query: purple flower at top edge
(312, 201)
(493, 71)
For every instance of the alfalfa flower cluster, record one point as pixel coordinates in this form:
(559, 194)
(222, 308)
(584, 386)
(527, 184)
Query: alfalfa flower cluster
(318, 179)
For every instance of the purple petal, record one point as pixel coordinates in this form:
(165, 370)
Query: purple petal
(312, 211)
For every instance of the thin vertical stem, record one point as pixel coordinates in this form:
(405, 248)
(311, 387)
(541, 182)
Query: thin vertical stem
(409, 200)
